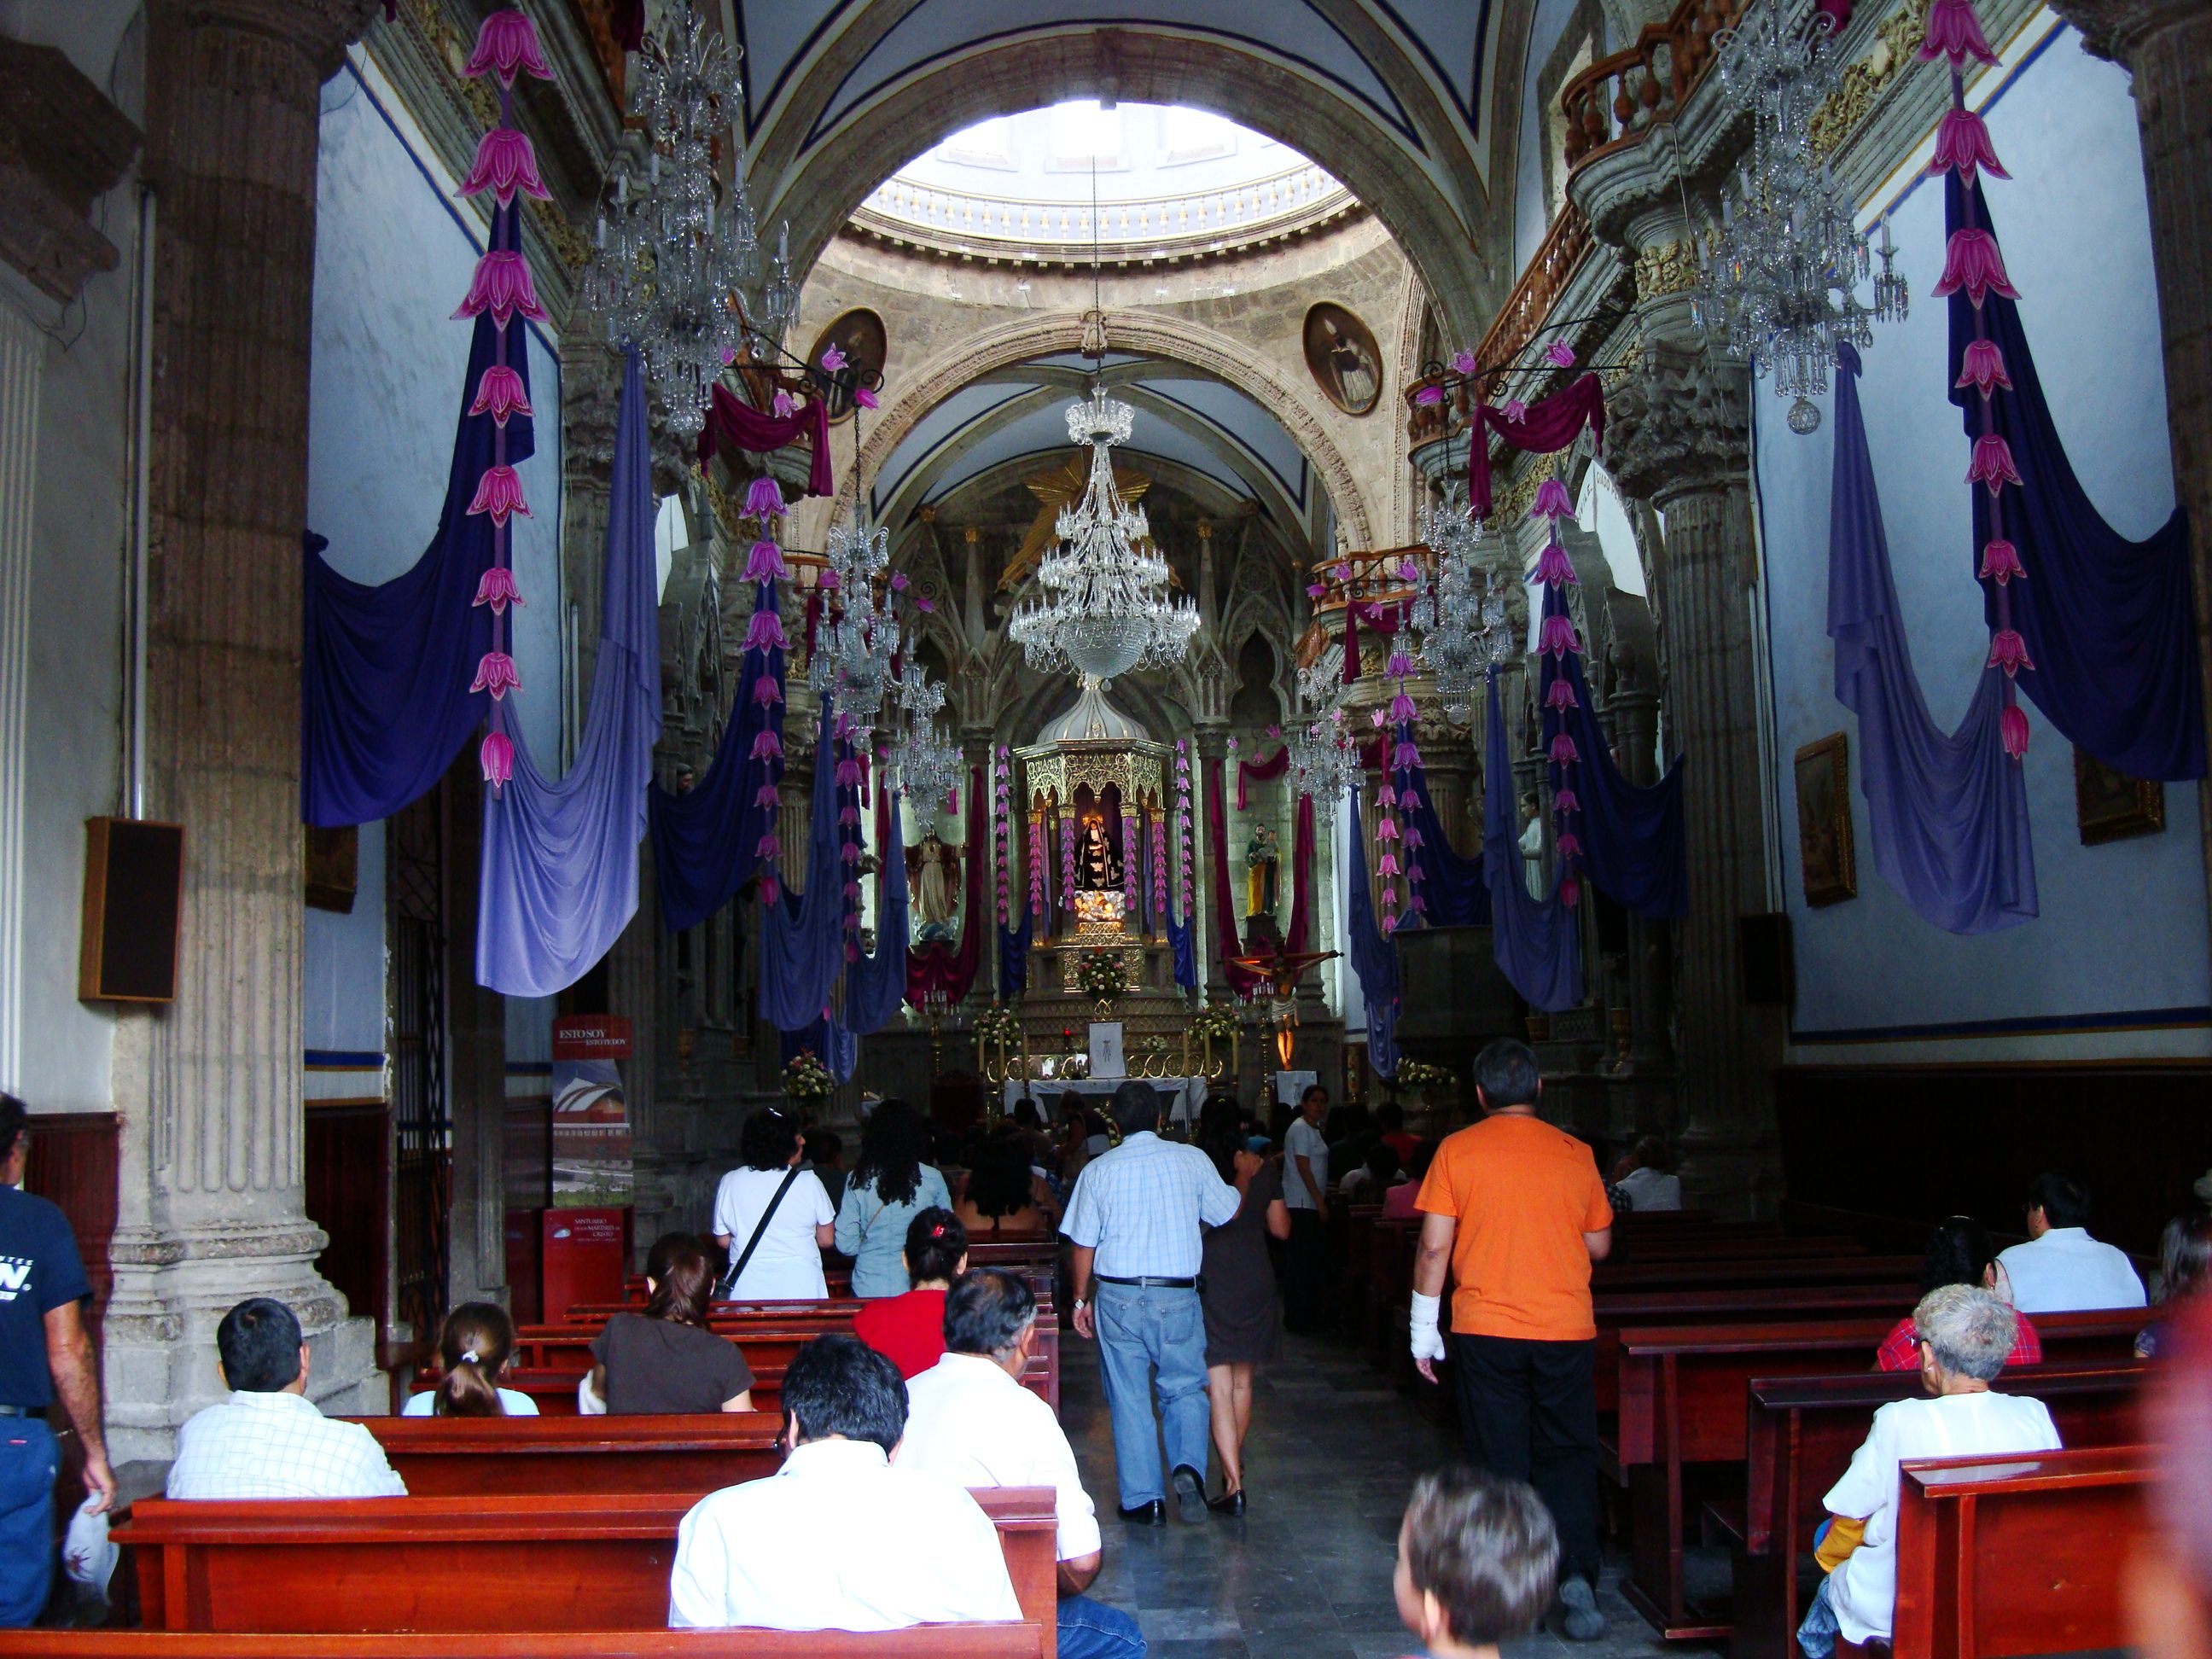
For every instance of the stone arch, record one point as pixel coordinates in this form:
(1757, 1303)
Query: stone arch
(1133, 331)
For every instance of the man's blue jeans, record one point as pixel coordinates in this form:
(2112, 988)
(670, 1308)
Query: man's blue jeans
(1091, 1629)
(1152, 1337)
(30, 1461)
(1816, 1635)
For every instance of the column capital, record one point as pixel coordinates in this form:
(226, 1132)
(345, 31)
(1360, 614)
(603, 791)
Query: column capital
(320, 29)
(2118, 29)
(1680, 422)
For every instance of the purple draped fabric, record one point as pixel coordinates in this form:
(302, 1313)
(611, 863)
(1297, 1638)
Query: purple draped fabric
(802, 934)
(1250, 772)
(875, 985)
(2109, 622)
(559, 880)
(1452, 892)
(385, 703)
(1374, 958)
(1633, 844)
(704, 842)
(1014, 955)
(1537, 942)
(1546, 426)
(1947, 812)
(736, 422)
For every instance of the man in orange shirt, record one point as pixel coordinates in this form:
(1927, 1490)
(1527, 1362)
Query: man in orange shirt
(1516, 1209)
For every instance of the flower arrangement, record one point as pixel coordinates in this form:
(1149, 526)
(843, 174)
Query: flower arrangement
(1419, 1074)
(806, 1077)
(1000, 1025)
(1216, 1022)
(1101, 975)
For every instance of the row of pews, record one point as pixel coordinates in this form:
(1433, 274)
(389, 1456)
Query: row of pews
(1735, 1382)
(548, 1537)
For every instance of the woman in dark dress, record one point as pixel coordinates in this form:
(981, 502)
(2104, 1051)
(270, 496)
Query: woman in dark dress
(1244, 1327)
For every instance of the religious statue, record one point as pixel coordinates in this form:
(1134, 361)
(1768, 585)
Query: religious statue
(936, 881)
(1262, 859)
(1098, 866)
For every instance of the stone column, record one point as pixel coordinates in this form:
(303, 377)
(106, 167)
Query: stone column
(2166, 45)
(210, 1193)
(1679, 438)
(1209, 744)
(976, 751)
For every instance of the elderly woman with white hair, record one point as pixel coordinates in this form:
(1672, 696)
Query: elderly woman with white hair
(1965, 1334)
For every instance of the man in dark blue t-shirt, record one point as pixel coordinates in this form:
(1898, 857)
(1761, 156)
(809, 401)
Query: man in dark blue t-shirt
(45, 1351)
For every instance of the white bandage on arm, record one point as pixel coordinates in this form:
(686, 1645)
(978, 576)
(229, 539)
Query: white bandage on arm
(1428, 1341)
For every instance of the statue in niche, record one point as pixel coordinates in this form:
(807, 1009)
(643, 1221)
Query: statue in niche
(1098, 866)
(936, 868)
(1262, 860)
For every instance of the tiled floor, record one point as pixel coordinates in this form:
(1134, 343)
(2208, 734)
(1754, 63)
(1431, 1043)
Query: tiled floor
(1306, 1574)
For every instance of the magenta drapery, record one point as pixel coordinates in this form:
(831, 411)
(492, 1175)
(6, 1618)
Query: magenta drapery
(1259, 771)
(1242, 980)
(946, 968)
(1301, 858)
(1542, 427)
(749, 429)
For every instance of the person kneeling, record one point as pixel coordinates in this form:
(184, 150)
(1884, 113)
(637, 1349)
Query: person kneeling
(1478, 1559)
(842, 1537)
(970, 1419)
(1964, 1334)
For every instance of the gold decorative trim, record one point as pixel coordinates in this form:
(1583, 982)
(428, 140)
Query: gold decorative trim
(1671, 269)
(1896, 38)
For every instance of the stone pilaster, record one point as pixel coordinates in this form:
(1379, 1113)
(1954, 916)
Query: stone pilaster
(2166, 45)
(1680, 439)
(1209, 744)
(209, 1195)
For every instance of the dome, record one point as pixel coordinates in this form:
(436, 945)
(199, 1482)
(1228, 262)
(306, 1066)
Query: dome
(1093, 718)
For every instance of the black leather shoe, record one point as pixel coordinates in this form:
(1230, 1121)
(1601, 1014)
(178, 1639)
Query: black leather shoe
(1154, 1514)
(1229, 1503)
(1190, 1492)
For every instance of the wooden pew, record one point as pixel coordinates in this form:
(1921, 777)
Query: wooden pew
(1801, 1434)
(1723, 1272)
(1617, 1310)
(2004, 1556)
(1026, 1640)
(539, 1562)
(461, 1456)
(1684, 1395)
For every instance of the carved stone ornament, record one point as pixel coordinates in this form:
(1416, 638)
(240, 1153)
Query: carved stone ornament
(62, 145)
(1671, 268)
(1680, 422)
(1897, 39)
(2116, 29)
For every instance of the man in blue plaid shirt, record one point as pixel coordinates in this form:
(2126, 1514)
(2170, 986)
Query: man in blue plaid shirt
(1134, 1220)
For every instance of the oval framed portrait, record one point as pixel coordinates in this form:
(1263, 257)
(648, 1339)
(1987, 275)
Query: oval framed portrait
(858, 334)
(1343, 358)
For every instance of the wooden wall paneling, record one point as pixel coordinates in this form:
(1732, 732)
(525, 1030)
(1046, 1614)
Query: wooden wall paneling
(73, 1164)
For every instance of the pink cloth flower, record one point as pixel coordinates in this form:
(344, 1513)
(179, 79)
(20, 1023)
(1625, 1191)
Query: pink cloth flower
(1400, 666)
(1559, 637)
(1408, 571)
(2012, 730)
(1463, 362)
(1429, 395)
(1514, 411)
(766, 564)
(506, 43)
(1562, 693)
(1559, 354)
(833, 360)
(501, 286)
(1387, 830)
(864, 398)
(1316, 590)
(2009, 651)
(1564, 752)
(766, 691)
(499, 493)
(770, 890)
(1569, 846)
(1553, 501)
(1983, 368)
(1992, 465)
(1570, 891)
(768, 797)
(497, 589)
(769, 846)
(2001, 562)
(898, 581)
(781, 406)
(1553, 566)
(495, 674)
(499, 394)
(1565, 802)
(848, 773)
(763, 497)
(1387, 795)
(1388, 866)
(1405, 757)
(1973, 261)
(1401, 708)
(496, 756)
(1962, 140)
(505, 163)
(766, 746)
(765, 631)
(1955, 33)
(927, 607)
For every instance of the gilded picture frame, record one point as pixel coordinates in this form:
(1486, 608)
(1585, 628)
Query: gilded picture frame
(2110, 806)
(1827, 860)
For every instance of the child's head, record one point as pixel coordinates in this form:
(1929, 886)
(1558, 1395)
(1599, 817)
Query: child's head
(1477, 1556)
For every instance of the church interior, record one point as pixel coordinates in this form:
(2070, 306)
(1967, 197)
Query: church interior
(575, 572)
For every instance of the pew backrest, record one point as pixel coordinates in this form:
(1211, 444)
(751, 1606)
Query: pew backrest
(461, 1456)
(1026, 1640)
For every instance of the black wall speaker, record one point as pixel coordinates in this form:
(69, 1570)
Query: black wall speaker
(133, 881)
(1770, 968)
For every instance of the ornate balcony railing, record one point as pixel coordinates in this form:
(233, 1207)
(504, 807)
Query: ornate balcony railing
(1623, 95)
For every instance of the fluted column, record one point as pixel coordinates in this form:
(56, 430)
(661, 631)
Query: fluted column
(2166, 45)
(1210, 744)
(1679, 438)
(211, 1184)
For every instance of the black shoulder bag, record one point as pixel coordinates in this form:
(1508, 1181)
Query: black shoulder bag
(728, 1288)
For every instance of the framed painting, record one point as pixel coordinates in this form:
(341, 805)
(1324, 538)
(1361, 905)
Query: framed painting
(2110, 806)
(1824, 851)
(1343, 358)
(860, 335)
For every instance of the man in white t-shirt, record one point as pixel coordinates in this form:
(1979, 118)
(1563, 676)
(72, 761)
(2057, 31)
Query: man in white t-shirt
(2060, 1269)
(969, 1419)
(1305, 1192)
(1965, 1333)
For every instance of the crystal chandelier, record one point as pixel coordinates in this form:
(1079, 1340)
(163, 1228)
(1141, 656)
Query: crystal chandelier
(855, 639)
(1106, 607)
(1449, 616)
(677, 248)
(1324, 762)
(1779, 276)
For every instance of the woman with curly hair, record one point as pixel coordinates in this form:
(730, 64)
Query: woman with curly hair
(892, 1182)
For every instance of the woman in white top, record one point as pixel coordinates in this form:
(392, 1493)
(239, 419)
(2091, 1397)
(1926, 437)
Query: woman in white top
(473, 1349)
(787, 1263)
(1965, 1333)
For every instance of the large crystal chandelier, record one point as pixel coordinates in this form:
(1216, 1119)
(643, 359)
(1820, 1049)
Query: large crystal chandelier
(1779, 275)
(1324, 762)
(1449, 616)
(677, 248)
(855, 639)
(1106, 607)
(929, 762)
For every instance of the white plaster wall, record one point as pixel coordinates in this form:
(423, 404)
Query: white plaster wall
(2123, 927)
(1531, 212)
